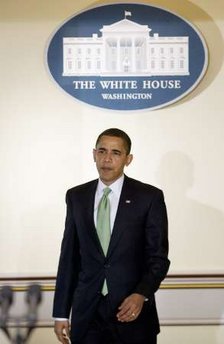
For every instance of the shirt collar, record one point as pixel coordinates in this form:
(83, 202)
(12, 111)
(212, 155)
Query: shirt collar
(115, 186)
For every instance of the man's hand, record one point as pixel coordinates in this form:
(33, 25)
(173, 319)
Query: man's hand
(61, 329)
(130, 308)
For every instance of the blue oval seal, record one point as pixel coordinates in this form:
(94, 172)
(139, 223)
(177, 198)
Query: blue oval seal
(127, 57)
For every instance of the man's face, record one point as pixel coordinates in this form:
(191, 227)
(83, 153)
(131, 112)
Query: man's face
(111, 157)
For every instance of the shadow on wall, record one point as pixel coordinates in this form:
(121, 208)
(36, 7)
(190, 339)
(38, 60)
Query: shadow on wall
(196, 229)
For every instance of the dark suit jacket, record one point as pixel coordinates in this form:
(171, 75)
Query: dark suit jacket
(136, 261)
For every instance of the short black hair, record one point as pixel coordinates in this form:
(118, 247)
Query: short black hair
(117, 133)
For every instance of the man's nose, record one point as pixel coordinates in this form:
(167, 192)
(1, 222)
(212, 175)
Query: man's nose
(108, 157)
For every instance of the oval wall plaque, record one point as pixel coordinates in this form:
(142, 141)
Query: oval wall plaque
(127, 57)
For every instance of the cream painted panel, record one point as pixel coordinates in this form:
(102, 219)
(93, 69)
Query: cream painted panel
(46, 141)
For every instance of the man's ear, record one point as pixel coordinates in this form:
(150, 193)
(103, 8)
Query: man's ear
(94, 154)
(129, 159)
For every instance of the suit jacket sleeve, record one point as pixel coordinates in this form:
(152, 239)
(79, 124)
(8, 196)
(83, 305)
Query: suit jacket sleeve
(156, 247)
(68, 268)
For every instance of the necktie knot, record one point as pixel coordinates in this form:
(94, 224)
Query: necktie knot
(106, 191)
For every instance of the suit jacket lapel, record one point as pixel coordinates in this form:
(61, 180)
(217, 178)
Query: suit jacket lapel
(121, 216)
(88, 206)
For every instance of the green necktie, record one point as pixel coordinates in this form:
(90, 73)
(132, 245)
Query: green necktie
(103, 226)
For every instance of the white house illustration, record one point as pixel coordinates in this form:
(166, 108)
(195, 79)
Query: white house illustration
(125, 48)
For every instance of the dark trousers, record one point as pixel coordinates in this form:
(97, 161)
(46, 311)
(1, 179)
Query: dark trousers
(103, 329)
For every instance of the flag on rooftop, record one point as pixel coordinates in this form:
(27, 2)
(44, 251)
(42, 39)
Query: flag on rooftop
(127, 13)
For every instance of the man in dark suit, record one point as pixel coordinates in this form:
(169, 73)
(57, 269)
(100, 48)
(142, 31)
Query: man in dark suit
(133, 265)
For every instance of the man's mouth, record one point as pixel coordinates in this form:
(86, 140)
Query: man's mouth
(106, 169)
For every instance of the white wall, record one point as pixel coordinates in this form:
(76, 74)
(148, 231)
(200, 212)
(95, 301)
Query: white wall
(46, 140)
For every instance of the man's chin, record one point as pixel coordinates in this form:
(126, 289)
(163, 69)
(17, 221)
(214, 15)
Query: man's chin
(107, 178)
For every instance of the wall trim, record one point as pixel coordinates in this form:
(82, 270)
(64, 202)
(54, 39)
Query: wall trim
(175, 281)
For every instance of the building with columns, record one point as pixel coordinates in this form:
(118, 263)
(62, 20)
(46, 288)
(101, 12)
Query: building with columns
(125, 48)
